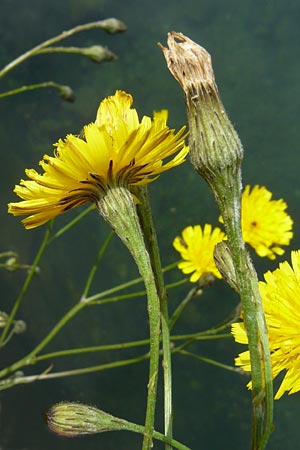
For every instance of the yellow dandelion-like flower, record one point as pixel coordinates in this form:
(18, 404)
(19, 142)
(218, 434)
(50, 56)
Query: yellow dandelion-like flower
(116, 150)
(281, 299)
(265, 223)
(196, 247)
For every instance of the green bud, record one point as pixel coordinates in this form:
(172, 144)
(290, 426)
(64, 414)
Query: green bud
(11, 263)
(19, 326)
(3, 319)
(98, 53)
(224, 263)
(76, 419)
(113, 26)
(66, 93)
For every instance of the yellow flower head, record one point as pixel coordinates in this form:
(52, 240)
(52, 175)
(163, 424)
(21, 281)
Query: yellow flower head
(116, 150)
(265, 223)
(281, 299)
(196, 247)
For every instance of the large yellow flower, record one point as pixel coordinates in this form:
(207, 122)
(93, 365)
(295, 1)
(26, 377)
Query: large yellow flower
(281, 298)
(196, 247)
(116, 150)
(265, 223)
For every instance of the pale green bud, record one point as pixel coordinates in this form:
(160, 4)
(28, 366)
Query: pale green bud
(75, 419)
(66, 93)
(98, 53)
(3, 319)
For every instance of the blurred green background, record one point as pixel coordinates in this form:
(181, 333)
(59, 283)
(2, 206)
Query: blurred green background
(255, 50)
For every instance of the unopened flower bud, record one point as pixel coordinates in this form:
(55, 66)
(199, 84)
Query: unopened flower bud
(76, 419)
(66, 93)
(11, 263)
(214, 143)
(19, 326)
(224, 263)
(98, 53)
(113, 26)
(3, 319)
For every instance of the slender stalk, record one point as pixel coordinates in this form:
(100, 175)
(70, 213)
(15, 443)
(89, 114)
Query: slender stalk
(126, 345)
(213, 362)
(182, 305)
(67, 373)
(109, 25)
(24, 288)
(71, 223)
(119, 298)
(246, 280)
(159, 436)
(118, 209)
(145, 215)
(94, 299)
(30, 357)
(95, 53)
(32, 87)
(96, 264)
(96, 348)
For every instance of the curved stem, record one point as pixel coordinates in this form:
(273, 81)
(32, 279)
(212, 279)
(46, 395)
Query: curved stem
(118, 209)
(30, 357)
(109, 25)
(32, 87)
(29, 277)
(145, 215)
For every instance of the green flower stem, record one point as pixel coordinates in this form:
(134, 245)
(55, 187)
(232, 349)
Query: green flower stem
(146, 220)
(96, 348)
(159, 436)
(109, 25)
(67, 373)
(210, 361)
(93, 299)
(253, 313)
(102, 54)
(23, 291)
(30, 358)
(8, 254)
(195, 337)
(216, 153)
(32, 87)
(15, 380)
(96, 264)
(48, 238)
(125, 345)
(118, 209)
(97, 298)
(71, 223)
(118, 298)
(15, 266)
(182, 305)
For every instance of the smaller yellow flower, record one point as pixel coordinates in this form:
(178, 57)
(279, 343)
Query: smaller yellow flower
(196, 247)
(265, 223)
(281, 299)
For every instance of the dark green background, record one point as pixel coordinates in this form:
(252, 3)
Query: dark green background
(255, 50)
